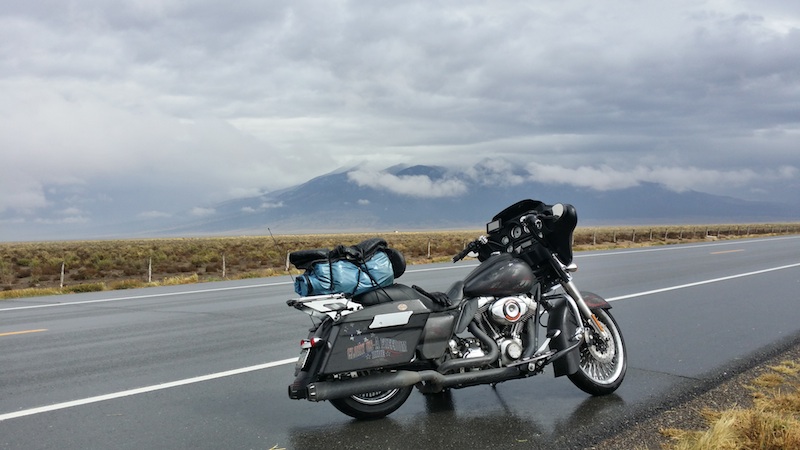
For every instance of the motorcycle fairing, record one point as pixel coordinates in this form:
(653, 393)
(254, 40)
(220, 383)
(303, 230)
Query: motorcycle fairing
(517, 209)
(558, 232)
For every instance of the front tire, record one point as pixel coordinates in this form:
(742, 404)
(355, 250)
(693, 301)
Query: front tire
(372, 405)
(603, 362)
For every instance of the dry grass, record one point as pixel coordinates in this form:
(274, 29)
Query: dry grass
(773, 421)
(34, 268)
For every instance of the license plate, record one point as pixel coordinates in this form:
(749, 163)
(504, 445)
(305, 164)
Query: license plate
(301, 361)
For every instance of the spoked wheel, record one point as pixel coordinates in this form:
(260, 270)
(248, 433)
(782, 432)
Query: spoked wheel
(604, 361)
(373, 405)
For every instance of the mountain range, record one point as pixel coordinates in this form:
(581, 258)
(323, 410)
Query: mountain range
(433, 197)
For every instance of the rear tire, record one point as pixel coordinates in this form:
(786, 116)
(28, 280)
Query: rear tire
(603, 362)
(372, 405)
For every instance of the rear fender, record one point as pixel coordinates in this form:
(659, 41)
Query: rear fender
(313, 362)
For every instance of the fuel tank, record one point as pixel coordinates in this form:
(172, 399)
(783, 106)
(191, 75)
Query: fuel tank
(498, 276)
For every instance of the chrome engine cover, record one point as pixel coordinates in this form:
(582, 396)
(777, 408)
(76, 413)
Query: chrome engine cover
(509, 310)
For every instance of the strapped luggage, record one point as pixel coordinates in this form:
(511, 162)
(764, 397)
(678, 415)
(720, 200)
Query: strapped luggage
(352, 270)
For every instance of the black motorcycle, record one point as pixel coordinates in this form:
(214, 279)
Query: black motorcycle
(366, 352)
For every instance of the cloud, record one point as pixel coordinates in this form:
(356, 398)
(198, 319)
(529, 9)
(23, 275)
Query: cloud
(203, 212)
(496, 172)
(153, 215)
(156, 105)
(410, 185)
(679, 179)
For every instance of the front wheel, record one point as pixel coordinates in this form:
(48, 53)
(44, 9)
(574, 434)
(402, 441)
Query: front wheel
(603, 361)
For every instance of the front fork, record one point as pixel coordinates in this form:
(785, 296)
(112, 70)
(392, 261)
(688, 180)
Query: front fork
(581, 309)
(575, 300)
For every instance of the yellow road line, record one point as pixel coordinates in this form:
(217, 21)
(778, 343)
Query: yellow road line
(12, 333)
(727, 251)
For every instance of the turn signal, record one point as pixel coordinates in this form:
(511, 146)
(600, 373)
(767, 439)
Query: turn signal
(310, 343)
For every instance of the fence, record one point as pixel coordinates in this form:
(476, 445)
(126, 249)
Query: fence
(130, 263)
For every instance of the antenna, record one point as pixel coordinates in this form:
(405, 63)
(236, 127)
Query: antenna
(278, 246)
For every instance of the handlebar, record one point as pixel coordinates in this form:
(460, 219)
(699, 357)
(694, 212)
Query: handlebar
(533, 221)
(471, 247)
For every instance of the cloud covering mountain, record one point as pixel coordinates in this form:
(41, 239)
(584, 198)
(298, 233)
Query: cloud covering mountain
(434, 197)
(121, 111)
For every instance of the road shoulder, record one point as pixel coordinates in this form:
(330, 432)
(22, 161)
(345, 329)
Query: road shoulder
(722, 390)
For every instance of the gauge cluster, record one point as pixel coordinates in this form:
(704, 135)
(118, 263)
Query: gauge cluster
(510, 235)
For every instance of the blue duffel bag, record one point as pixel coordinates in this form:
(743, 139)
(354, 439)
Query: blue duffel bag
(353, 270)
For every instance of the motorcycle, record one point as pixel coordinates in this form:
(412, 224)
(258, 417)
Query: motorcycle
(365, 353)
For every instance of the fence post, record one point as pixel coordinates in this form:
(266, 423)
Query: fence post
(287, 262)
(223, 266)
(61, 286)
(594, 237)
(633, 236)
(150, 270)
(429, 249)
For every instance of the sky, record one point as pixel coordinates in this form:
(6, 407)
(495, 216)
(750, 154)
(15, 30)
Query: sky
(120, 110)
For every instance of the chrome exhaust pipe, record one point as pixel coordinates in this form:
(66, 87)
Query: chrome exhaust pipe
(468, 363)
(430, 381)
(328, 390)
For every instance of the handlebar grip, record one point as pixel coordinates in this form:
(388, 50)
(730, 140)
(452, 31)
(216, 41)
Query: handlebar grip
(469, 248)
(461, 254)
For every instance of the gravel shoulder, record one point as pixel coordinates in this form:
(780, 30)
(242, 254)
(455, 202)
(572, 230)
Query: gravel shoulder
(722, 390)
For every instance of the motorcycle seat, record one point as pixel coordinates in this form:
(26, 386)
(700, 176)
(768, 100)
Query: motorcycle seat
(399, 292)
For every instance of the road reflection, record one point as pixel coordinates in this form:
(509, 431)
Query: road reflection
(440, 421)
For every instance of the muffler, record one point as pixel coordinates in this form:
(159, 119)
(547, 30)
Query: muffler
(327, 390)
(431, 382)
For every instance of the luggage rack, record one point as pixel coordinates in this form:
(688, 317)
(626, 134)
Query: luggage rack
(331, 305)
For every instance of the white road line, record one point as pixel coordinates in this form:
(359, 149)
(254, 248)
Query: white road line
(700, 283)
(213, 376)
(143, 390)
(196, 291)
(455, 267)
(134, 297)
(683, 247)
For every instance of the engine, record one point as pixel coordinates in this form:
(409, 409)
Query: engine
(503, 319)
(510, 310)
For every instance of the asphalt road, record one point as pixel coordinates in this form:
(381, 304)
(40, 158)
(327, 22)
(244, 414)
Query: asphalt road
(206, 366)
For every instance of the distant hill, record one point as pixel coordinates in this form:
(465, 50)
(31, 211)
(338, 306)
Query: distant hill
(432, 197)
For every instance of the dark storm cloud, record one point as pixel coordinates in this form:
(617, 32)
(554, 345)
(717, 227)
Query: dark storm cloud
(165, 106)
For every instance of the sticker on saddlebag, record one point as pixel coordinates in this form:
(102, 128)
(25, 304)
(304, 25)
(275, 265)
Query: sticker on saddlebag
(390, 320)
(376, 348)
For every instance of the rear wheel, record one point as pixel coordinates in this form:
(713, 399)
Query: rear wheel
(372, 405)
(603, 360)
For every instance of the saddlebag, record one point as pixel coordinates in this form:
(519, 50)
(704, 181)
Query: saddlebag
(384, 335)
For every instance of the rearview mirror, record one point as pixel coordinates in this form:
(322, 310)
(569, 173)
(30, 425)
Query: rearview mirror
(558, 210)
